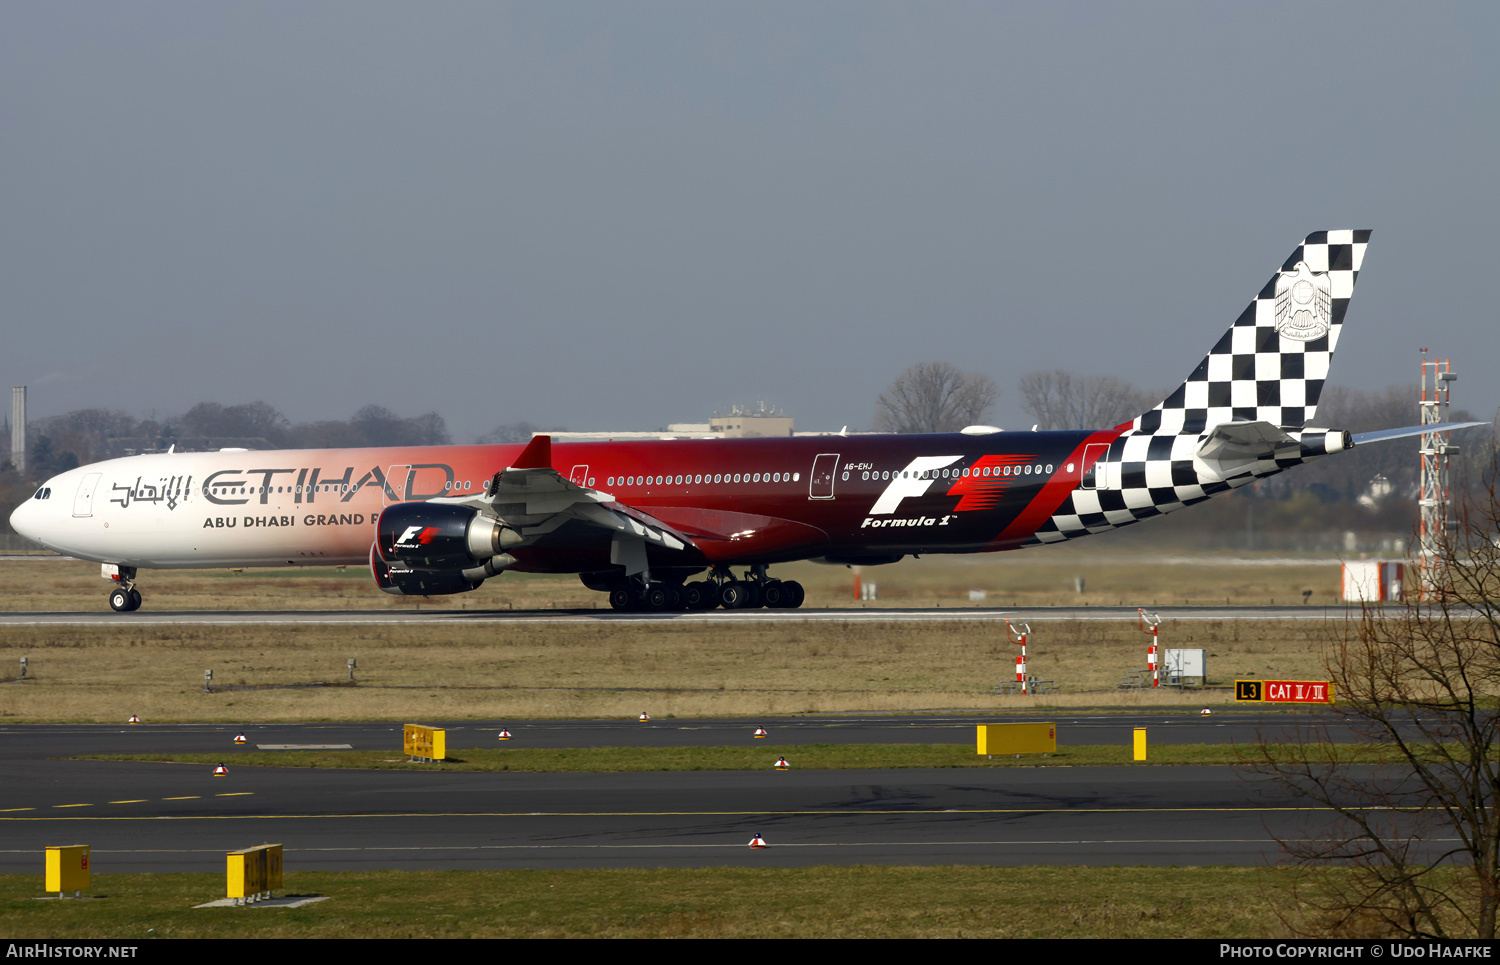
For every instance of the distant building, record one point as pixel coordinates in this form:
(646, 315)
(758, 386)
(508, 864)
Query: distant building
(760, 420)
(739, 422)
(746, 421)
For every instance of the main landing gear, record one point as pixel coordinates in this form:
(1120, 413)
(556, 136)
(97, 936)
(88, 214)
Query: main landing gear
(125, 597)
(721, 589)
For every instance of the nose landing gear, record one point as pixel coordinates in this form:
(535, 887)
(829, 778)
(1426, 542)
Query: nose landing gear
(124, 598)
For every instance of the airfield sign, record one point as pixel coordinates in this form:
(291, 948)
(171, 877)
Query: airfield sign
(1283, 691)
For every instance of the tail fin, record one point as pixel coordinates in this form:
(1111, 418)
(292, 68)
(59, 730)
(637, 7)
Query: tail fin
(1270, 365)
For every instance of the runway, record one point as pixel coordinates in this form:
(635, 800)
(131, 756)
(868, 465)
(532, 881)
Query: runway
(710, 618)
(178, 817)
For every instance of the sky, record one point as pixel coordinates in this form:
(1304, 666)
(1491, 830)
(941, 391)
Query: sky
(619, 215)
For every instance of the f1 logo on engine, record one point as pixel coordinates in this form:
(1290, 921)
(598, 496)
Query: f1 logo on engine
(911, 481)
(423, 534)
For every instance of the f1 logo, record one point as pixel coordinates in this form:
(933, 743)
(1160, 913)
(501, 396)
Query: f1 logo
(423, 534)
(910, 482)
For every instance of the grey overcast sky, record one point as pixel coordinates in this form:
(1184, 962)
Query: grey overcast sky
(618, 215)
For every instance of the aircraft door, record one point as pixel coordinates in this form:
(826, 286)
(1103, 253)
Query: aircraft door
(1103, 473)
(1096, 476)
(579, 476)
(83, 500)
(824, 468)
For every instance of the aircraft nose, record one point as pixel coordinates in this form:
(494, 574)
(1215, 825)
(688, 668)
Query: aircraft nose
(24, 519)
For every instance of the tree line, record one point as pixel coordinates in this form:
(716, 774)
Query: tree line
(58, 443)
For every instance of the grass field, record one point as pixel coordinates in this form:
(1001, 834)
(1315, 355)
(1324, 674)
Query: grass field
(494, 671)
(447, 672)
(733, 902)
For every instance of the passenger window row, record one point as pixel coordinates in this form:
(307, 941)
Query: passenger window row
(700, 479)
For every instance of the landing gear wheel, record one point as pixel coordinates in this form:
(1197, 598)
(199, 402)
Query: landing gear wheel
(774, 595)
(734, 595)
(658, 598)
(693, 596)
(119, 600)
(792, 594)
(135, 599)
(620, 598)
(710, 595)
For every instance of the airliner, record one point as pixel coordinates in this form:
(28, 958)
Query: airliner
(696, 524)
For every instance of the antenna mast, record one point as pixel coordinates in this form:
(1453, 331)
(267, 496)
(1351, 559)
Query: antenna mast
(1436, 500)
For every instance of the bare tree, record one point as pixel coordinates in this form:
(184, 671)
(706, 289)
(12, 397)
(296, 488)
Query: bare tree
(250, 420)
(935, 397)
(1417, 837)
(509, 432)
(1062, 400)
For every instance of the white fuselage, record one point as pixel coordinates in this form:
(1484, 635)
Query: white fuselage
(238, 508)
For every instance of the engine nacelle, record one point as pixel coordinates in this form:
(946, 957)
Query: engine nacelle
(441, 536)
(401, 581)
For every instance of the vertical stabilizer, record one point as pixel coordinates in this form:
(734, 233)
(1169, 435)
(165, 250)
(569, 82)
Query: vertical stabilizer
(1270, 366)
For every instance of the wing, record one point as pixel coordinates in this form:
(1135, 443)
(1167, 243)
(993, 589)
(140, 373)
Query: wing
(536, 501)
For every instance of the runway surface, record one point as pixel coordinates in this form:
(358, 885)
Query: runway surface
(149, 617)
(160, 817)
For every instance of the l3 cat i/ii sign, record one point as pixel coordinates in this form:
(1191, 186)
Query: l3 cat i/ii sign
(1283, 691)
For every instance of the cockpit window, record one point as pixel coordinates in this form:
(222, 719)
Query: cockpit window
(44, 493)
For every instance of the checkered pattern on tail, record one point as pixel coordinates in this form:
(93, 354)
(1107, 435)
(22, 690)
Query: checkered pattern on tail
(1268, 368)
(1270, 365)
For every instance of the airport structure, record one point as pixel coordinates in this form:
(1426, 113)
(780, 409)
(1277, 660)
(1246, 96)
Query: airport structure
(1436, 498)
(18, 428)
(758, 421)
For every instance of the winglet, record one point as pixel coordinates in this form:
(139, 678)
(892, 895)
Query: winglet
(536, 455)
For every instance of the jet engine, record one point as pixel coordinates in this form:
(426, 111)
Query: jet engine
(429, 549)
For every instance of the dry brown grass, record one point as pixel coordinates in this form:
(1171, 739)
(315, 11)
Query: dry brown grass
(500, 670)
(497, 670)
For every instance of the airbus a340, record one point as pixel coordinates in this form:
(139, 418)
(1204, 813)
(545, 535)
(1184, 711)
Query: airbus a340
(645, 521)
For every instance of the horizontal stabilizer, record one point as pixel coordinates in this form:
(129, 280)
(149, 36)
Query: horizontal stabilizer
(1381, 435)
(1233, 448)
